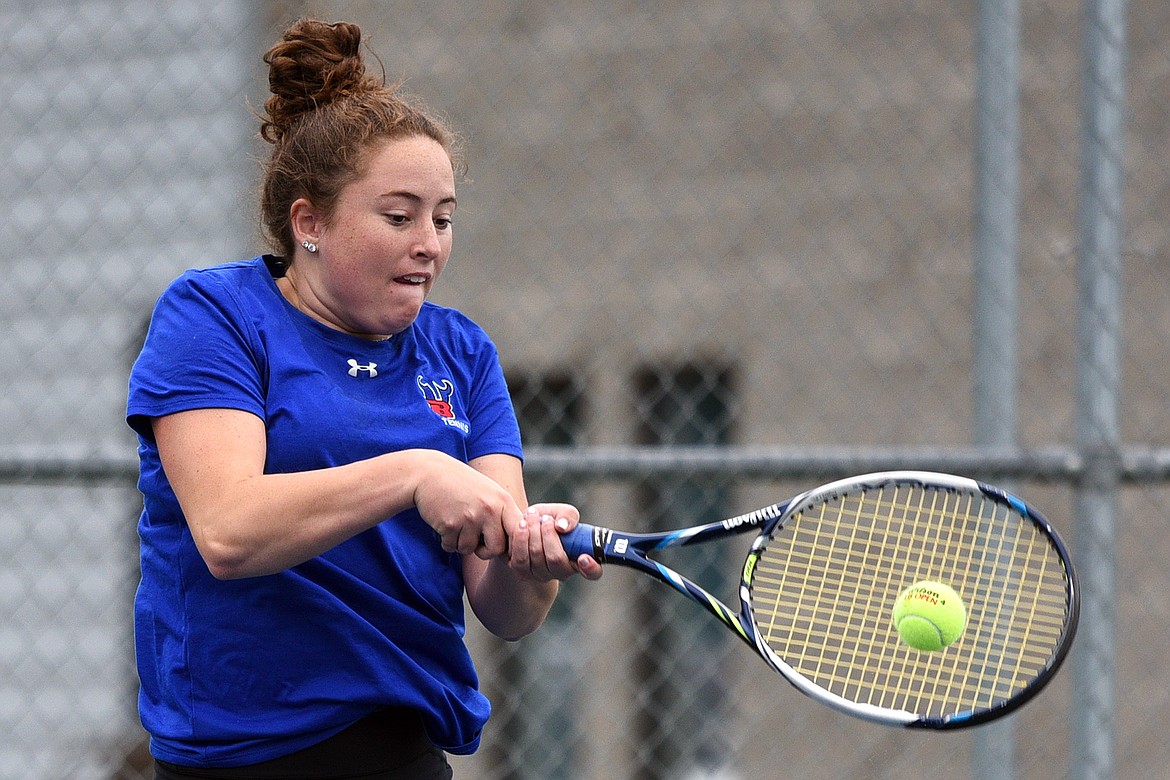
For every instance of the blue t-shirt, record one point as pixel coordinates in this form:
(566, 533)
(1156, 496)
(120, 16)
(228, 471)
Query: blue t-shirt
(242, 671)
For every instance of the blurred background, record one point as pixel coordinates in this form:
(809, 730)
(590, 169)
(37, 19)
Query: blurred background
(729, 250)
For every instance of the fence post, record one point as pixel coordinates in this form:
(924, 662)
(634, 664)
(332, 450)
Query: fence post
(1100, 239)
(996, 280)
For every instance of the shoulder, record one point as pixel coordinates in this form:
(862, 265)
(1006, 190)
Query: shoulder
(241, 289)
(239, 298)
(240, 274)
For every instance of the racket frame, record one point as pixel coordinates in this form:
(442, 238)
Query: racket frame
(633, 550)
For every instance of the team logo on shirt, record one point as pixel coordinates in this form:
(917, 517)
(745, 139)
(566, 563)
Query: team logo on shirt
(439, 395)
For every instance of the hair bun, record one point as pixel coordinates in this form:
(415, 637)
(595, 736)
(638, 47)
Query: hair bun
(315, 63)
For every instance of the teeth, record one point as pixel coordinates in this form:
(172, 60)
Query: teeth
(414, 279)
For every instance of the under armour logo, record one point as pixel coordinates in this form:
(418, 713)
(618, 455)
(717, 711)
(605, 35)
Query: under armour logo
(356, 368)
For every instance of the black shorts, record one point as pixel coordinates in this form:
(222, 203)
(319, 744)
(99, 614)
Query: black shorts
(388, 745)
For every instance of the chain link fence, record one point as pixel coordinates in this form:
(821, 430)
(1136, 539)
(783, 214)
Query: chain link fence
(728, 250)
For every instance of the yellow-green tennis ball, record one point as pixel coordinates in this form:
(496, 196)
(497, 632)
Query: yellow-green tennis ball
(929, 615)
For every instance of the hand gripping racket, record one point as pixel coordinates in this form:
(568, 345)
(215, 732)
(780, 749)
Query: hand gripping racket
(820, 582)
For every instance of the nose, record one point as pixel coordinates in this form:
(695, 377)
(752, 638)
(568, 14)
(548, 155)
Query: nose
(426, 241)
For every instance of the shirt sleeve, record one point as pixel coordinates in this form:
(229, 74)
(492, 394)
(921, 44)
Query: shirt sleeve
(493, 418)
(200, 352)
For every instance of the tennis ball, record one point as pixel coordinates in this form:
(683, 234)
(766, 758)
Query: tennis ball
(929, 615)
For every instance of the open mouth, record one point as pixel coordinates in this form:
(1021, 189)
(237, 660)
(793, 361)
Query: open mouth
(413, 279)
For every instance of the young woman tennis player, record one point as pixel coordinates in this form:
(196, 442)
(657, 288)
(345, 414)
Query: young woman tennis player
(329, 462)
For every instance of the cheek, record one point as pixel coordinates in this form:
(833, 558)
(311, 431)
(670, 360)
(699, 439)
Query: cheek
(441, 263)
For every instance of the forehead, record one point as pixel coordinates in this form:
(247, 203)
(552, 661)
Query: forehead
(417, 165)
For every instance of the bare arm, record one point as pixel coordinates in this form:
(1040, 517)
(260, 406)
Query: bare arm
(247, 523)
(512, 594)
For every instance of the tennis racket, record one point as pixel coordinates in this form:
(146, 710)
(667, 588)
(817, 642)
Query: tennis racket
(820, 581)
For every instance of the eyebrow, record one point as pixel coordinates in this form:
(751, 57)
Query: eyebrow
(415, 198)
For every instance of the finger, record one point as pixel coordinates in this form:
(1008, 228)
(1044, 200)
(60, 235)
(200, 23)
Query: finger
(449, 540)
(492, 542)
(469, 539)
(555, 561)
(540, 546)
(566, 515)
(589, 567)
(520, 545)
(484, 551)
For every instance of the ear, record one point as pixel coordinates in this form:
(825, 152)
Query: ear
(306, 221)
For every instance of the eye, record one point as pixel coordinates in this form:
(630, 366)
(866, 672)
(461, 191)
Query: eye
(397, 219)
(443, 223)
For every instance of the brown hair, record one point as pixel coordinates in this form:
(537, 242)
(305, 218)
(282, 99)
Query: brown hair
(325, 115)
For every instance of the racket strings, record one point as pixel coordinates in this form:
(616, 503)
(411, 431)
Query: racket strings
(824, 588)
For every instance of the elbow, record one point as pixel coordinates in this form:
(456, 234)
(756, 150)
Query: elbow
(223, 563)
(514, 633)
(225, 559)
(522, 616)
(222, 571)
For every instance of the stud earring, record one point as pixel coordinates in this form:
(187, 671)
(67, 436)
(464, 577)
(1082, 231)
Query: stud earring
(309, 245)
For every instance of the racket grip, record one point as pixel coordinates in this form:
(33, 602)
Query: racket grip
(579, 542)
